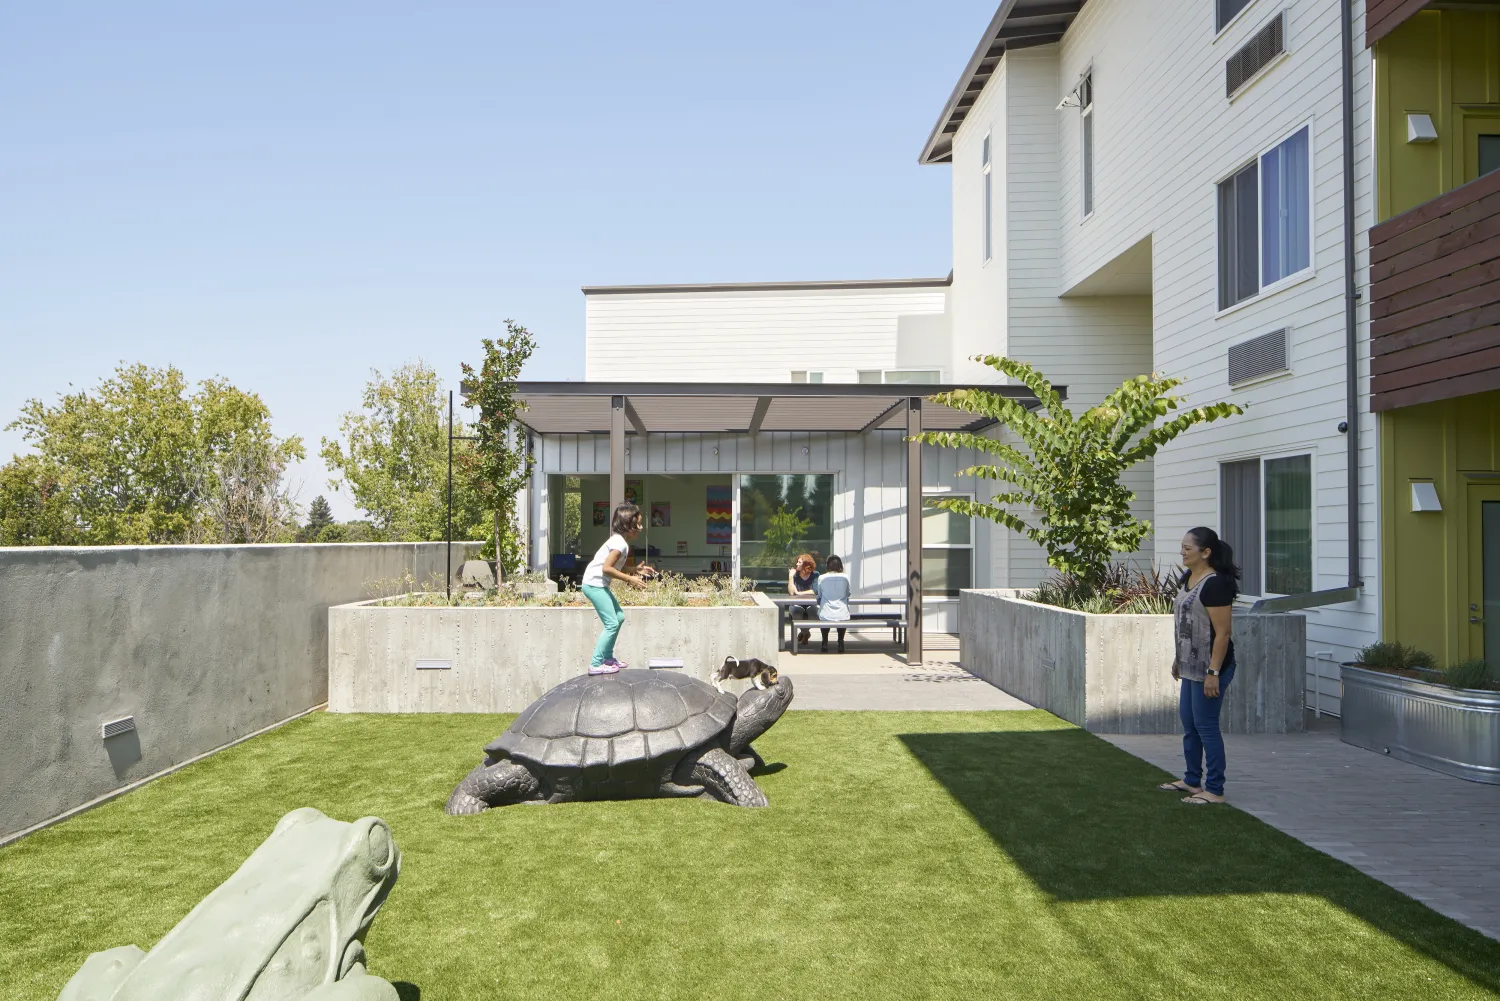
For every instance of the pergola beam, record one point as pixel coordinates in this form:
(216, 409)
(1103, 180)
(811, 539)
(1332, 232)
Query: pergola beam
(762, 407)
(883, 416)
(634, 418)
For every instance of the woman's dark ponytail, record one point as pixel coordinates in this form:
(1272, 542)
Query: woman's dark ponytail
(1220, 555)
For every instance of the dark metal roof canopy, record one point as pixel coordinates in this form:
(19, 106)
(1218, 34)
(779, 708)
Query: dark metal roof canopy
(1018, 24)
(744, 408)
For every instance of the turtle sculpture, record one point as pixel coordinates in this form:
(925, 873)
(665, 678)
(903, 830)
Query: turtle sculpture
(633, 734)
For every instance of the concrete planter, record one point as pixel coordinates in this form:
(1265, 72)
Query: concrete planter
(1454, 731)
(392, 659)
(1112, 673)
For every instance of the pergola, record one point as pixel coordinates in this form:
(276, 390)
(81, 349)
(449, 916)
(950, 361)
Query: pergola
(619, 409)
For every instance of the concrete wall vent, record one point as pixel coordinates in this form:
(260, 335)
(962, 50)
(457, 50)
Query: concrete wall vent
(1259, 356)
(115, 727)
(1256, 54)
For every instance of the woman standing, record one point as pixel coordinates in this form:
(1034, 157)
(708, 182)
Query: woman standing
(1204, 663)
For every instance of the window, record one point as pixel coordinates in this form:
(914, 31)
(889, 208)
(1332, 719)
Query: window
(901, 376)
(782, 516)
(1266, 516)
(1489, 154)
(1225, 10)
(1086, 103)
(947, 549)
(1265, 221)
(798, 376)
(989, 249)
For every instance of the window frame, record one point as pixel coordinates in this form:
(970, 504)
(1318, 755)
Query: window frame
(986, 170)
(1258, 588)
(970, 545)
(1087, 160)
(884, 374)
(807, 376)
(1258, 160)
(1221, 28)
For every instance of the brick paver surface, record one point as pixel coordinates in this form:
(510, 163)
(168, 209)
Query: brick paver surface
(1432, 837)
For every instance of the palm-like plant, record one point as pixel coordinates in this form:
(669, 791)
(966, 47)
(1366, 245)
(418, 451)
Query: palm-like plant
(1068, 473)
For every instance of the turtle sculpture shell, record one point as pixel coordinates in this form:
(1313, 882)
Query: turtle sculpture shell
(625, 725)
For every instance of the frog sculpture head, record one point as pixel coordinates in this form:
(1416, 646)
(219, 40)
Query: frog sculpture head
(290, 923)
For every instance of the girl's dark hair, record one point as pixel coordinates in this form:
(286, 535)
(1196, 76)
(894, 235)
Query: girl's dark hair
(835, 565)
(1220, 555)
(624, 519)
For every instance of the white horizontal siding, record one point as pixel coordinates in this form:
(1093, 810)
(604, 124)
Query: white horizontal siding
(1164, 136)
(748, 336)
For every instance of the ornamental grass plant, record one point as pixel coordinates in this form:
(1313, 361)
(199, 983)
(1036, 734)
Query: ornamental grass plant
(1121, 590)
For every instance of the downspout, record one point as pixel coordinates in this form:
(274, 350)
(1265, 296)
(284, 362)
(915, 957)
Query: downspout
(1351, 343)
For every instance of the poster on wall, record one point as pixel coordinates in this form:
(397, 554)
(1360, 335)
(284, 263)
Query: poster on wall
(634, 492)
(661, 514)
(720, 515)
(601, 512)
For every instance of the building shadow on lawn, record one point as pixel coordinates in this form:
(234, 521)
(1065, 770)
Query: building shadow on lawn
(1083, 820)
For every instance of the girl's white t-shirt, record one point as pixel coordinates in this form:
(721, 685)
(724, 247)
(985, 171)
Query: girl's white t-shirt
(594, 574)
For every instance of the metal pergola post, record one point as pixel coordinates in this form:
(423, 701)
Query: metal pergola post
(913, 531)
(448, 592)
(616, 454)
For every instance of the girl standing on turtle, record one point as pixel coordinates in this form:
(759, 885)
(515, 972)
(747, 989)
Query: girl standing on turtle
(608, 564)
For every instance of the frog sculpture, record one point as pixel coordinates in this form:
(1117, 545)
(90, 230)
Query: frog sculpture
(290, 923)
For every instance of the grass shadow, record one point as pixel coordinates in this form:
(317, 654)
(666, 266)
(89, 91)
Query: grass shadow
(407, 991)
(1082, 820)
(770, 768)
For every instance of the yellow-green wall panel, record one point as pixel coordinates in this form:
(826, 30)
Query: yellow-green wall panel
(1426, 555)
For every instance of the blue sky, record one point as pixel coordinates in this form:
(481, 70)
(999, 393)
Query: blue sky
(291, 194)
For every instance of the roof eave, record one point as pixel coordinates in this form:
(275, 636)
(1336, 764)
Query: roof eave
(980, 52)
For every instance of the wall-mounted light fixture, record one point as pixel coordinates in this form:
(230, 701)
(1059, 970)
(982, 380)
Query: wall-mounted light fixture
(1424, 497)
(1419, 129)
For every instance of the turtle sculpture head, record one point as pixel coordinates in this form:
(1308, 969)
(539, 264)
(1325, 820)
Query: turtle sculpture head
(628, 735)
(290, 923)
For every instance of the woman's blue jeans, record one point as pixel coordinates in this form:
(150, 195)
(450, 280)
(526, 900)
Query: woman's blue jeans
(1202, 743)
(608, 607)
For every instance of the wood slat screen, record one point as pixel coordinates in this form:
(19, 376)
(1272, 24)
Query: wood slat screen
(1435, 299)
(1384, 16)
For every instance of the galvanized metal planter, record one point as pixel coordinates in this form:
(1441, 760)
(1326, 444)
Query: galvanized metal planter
(1454, 731)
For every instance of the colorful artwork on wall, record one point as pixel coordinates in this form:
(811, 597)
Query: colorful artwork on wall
(720, 515)
(661, 514)
(635, 492)
(601, 512)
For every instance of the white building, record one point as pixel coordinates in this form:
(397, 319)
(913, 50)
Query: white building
(1138, 185)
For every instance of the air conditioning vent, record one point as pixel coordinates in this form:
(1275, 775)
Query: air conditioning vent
(115, 727)
(1259, 356)
(1268, 43)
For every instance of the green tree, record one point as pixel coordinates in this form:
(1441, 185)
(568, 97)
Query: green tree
(141, 459)
(394, 460)
(500, 465)
(319, 517)
(786, 532)
(1068, 473)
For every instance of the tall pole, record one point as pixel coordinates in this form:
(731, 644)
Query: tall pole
(616, 453)
(449, 589)
(913, 531)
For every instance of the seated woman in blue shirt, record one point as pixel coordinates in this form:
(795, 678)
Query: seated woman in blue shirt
(833, 590)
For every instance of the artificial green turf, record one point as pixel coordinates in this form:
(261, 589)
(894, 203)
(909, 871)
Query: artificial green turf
(905, 855)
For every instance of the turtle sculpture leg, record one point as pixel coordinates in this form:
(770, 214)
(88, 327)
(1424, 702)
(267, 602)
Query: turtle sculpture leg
(495, 784)
(758, 709)
(719, 775)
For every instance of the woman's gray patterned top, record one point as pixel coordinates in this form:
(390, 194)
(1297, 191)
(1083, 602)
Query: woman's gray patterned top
(1194, 632)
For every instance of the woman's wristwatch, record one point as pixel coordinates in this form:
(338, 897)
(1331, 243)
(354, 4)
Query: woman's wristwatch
(1213, 672)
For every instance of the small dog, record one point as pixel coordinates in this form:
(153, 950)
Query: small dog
(762, 675)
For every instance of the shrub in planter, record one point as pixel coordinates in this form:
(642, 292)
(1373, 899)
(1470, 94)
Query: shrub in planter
(1121, 591)
(1471, 674)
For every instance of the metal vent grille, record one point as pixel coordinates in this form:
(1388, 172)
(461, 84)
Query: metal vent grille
(1268, 43)
(115, 727)
(1258, 356)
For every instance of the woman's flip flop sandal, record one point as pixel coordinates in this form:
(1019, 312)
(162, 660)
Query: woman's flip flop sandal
(1196, 800)
(1178, 786)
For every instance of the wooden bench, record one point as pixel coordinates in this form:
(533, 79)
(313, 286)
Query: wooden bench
(895, 623)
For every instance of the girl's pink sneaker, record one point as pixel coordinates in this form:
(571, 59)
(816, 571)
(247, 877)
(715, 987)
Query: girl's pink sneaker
(619, 664)
(608, 667)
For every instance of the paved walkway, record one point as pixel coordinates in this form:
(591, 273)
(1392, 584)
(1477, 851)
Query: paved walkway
(884, 681)
(1432, 837)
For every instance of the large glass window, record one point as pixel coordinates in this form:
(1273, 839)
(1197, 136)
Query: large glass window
(947, 550)
(782, 515)
(1265, 513)
(1265, 221)
(1289, 525)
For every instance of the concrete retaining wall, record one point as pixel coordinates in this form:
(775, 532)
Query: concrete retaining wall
(1112, 673)
(503, 659)
(201, 644)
